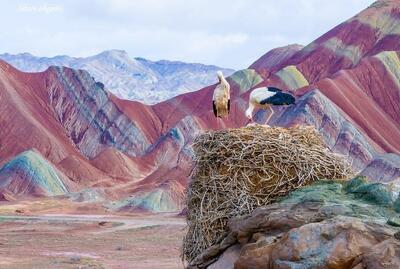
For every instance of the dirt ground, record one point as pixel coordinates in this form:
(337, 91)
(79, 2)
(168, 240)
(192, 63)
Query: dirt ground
(30, 239)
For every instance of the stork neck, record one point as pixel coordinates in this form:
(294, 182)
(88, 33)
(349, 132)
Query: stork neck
(249, 111)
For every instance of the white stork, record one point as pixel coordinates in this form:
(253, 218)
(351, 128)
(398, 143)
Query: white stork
(221, 97)
(265, 98)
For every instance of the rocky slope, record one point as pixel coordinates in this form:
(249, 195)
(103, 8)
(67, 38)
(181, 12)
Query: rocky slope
(347, 84)
(351, 101)
(129, 78)
(88, 138)
(325, 225)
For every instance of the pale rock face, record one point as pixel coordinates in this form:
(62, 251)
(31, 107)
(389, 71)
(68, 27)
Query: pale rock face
(129, 78)
(385, 168)
(91, 119)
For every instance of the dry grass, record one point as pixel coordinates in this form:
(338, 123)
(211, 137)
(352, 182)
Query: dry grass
(237, 170)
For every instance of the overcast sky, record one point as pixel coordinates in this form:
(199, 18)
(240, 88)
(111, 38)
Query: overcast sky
(228, 33)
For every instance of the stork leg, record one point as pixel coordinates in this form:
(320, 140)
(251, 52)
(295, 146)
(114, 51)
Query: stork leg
(270, 115)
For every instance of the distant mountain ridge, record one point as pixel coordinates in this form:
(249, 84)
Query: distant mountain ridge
(136, 79)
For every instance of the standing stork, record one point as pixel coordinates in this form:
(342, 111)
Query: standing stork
(221, 97)
(265, 98)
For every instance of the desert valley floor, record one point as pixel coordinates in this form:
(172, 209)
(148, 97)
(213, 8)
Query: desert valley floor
(33, 234)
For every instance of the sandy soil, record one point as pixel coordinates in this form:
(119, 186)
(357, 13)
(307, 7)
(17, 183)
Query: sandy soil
(80, 241)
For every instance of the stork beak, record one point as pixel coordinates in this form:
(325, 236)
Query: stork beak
(249, 121)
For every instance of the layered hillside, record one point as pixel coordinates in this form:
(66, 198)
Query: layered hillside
(30, 174)
(87, 140)
(347, 83)
(129, 78)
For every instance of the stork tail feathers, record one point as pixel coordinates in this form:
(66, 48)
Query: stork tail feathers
(280, 98)
(273, 89)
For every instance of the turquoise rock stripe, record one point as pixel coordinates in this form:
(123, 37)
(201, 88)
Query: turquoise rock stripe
(37, 170)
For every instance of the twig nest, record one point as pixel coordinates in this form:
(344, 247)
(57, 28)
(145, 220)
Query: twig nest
(237, 170)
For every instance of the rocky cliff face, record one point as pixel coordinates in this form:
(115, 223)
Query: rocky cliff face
(90, 118)
(325, 225)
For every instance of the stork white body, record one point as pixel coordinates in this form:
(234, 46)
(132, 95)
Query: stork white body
(221, 97)
(256, 97)
(265, 98)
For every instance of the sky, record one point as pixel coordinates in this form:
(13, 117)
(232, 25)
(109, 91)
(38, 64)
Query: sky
(227, 33)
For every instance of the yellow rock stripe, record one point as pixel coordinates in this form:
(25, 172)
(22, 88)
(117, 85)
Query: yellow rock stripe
(336, 45)
(385, 24)
(292, 77)
(246, 79)
(392, 63)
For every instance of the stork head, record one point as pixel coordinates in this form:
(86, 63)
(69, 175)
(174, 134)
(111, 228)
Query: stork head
(249, 113)
(220, 75)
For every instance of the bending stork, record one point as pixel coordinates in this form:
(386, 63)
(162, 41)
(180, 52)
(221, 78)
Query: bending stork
(265, 98)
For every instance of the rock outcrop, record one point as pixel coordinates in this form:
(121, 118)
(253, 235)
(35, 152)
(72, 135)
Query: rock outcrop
(325, 225)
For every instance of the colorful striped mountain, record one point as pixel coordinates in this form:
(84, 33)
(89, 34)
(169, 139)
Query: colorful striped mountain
(82, 137)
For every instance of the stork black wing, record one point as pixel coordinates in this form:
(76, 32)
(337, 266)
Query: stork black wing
(229, 105)
(215, 109)
(278, 99)
(273, 89)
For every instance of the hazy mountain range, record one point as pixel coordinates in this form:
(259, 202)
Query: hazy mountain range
(129, 78)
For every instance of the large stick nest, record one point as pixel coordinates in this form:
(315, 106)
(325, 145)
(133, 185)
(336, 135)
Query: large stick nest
(237, 170)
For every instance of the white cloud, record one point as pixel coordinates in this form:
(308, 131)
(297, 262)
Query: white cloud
(230, 33)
